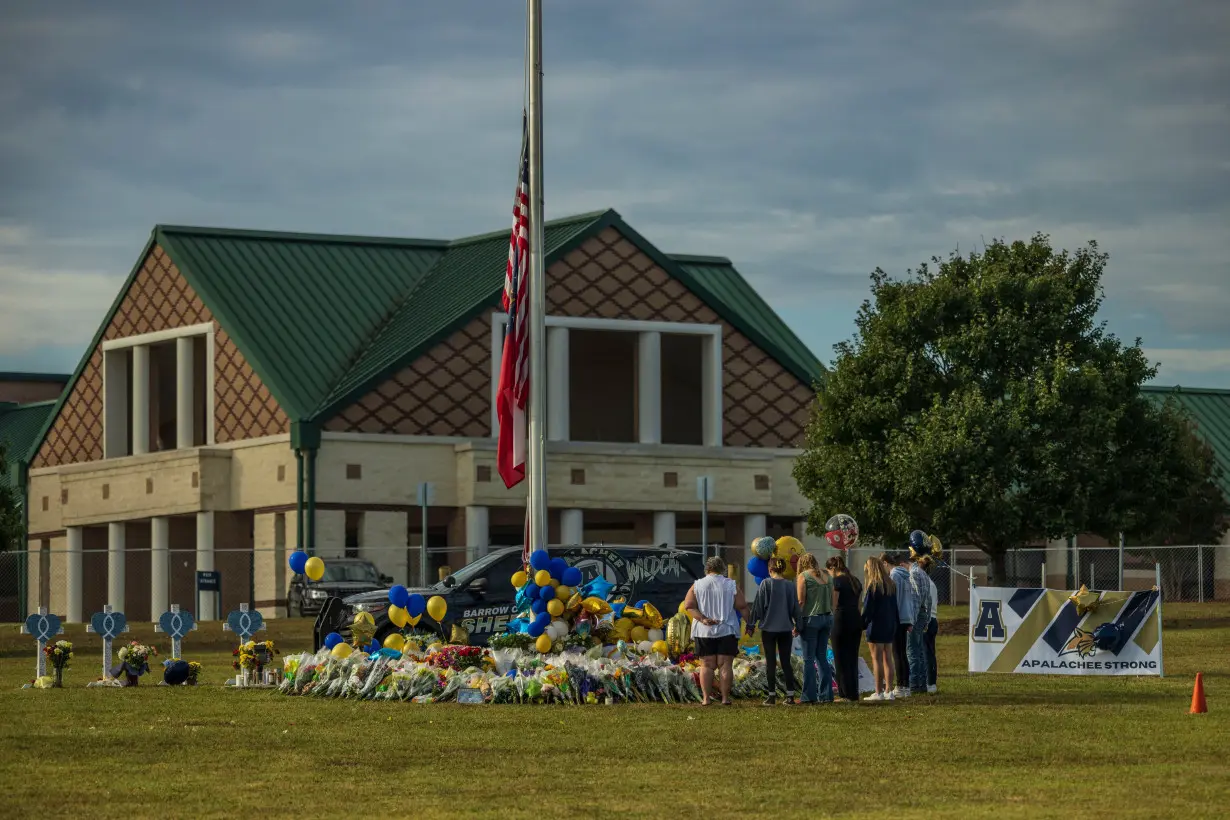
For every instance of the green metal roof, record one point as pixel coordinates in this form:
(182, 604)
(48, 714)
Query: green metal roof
(20, 426)
(19, 376)
(1210, 410)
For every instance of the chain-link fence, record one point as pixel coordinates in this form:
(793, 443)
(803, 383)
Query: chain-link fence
(51, 577)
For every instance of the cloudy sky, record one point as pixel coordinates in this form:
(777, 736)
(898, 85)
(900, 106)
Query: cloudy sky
(808, 140)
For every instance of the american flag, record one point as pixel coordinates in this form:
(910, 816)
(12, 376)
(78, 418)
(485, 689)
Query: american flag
(514, 387)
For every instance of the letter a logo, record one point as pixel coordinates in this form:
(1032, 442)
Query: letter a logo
(989, 628)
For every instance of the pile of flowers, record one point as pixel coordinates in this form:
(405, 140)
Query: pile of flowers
(194, 673)
(253, 654)
(459, 658)
(59, 653)
(135, 657)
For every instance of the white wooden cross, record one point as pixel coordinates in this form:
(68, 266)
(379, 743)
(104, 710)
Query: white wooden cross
(177, 624)
(110, 624)
(43, 626)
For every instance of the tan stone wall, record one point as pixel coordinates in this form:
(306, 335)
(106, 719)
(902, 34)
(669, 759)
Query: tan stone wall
(382, 540)
(391, 472)
(446, 392)
(271, 574)
(161, 299)
(254, 475)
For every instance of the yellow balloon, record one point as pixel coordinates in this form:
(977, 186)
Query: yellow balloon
(563, 593)
(413, 620)
(436, 607)
(660, 648)
(596, 605)
(624, 623)
(342, 650)
(364, 617)
(399, 617)
(683, 609)
(543, 644)
(556, 607)
(395, 642)
(633, 613)
(542, 578)
(653, 618)
(315, 568)
(519, 579)
(574, 603)
(639, 633)
(787, 546)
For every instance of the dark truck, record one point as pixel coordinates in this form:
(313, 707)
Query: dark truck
(343, 577)
(481, 597)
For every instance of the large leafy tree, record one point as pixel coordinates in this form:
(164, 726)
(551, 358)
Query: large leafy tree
(981, 400)
(10, 508)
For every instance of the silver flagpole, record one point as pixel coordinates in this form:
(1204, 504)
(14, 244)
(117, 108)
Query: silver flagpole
(536, 467)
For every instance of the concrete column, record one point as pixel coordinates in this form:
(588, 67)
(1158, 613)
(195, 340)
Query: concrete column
(115, 565)
(478, 533)
(73, 577)
(649, 387)
(664, 528)
(205, 562)
(754, 526)
(558, 422)
(382, 540)
(711, 391)
(184, 398)
(269, 568)
(331, 533)
(572, 526)
(140, 405)
(159, 566)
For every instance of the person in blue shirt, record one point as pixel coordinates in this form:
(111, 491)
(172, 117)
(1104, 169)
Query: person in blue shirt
(907, 610)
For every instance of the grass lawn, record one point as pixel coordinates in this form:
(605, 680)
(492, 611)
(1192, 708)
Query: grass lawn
(986, 746)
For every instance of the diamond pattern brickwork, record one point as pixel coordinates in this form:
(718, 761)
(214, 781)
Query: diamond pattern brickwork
(763, 404)
(445, 392)
(161, 299)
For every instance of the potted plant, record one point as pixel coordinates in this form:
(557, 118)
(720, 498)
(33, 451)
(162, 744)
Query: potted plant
(60, 653)
(134, 661)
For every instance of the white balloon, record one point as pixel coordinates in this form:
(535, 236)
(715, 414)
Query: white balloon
(645, 646)
(656, 635)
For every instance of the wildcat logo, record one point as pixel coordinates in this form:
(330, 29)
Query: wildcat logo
(1080, 644)
(989, 628)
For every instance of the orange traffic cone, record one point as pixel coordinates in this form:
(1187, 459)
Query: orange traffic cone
(1198, 705)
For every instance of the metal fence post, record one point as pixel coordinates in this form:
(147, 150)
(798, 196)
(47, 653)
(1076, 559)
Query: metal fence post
(1161, 650)
(1200, 574)
(1121, 543)
(1092, 574)
(1044, 575)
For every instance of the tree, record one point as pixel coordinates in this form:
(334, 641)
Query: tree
(11, 534)
(981, 401)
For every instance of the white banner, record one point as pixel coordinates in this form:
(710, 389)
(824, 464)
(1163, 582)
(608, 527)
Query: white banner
(1042, 632)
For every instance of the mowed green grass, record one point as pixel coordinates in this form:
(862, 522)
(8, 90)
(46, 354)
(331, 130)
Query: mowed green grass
(986, 746)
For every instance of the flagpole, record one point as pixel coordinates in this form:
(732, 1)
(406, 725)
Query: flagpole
(536, 457)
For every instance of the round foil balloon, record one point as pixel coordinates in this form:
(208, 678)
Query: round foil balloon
(841, 531)
(764, 547)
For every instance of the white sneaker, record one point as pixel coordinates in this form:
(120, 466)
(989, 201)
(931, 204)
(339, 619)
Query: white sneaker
(932, 689)
(890, 696)
(901, 692)
(873, 697)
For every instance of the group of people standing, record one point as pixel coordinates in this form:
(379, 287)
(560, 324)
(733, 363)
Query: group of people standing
(896, 612)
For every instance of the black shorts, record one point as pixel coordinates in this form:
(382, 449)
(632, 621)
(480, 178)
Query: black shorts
(726, 645)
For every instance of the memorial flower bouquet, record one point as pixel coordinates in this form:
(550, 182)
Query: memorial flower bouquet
(194, 673)
(134, 658)
(59, 653)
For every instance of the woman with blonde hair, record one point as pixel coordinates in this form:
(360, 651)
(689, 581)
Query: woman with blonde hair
(880, 621)
(817, 600)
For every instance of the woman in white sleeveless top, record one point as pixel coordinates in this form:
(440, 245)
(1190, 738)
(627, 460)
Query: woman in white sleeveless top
(712, 602)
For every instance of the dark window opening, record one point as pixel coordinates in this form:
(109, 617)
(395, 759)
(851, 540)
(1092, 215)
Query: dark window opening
(682, 389)
(602, 386)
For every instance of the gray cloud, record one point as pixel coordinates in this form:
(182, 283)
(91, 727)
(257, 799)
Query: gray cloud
(810, 142)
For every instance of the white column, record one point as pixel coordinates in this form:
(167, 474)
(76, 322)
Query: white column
(478, 535)
(205, 562)
(140, 406)
(184, 399)
(73, 576)
(115, 566)
(711, 391)
(572, 526)
(754, 526)
(558, 421)
(664, 528)
(649, 387)
(116, 400)
(159, 566)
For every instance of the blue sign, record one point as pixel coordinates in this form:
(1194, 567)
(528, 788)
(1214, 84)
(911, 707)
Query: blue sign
(245, 623)
(208, 581)
(176, 624)
(43, 626)
(108, 624)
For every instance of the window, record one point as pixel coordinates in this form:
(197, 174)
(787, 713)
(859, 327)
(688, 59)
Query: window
(602, 385)
(682, 389)
(354, 527)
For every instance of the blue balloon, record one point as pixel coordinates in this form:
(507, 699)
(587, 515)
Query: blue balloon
(758, 567)
(517, 625)
(640, 604)
(557, 568)
(399, 596)
(373, 647)
(298, 561)
(571, 577)
(539, 607)
(546, 594)
(598, 588)
(543, 618)
(535, 629)
(332, 640)
(416, 605)
(618, 609)
(540, 559)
